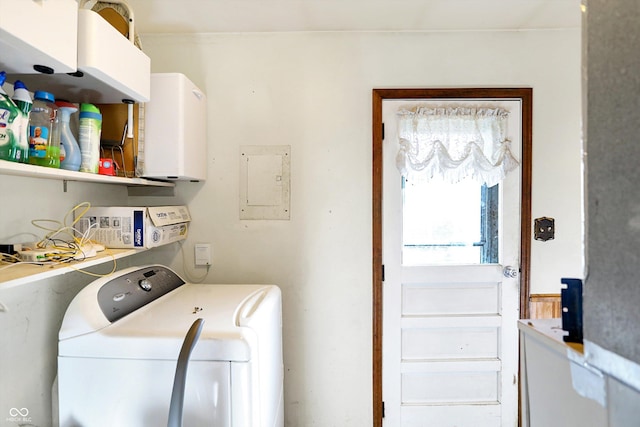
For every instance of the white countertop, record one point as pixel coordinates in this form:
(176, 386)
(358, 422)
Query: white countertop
(549, 331)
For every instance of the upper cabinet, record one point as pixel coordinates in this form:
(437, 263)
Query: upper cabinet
(38, 32)
(90, 60)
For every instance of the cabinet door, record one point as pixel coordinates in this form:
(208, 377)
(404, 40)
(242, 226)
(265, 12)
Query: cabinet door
(43, 32)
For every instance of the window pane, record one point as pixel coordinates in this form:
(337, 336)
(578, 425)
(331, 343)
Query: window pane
(442, 223)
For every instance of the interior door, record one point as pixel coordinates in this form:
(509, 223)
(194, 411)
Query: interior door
(450, 343)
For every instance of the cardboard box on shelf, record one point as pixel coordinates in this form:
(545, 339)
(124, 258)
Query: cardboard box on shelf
(135, 227)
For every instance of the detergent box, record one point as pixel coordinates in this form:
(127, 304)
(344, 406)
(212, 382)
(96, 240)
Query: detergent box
(135, 227)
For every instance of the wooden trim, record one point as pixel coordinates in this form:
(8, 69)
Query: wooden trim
(526, 163)
(525, 95)
(545, 306)
(377, 259)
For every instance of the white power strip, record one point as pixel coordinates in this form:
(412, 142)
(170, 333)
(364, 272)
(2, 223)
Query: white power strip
(88, 250)
(41, 255)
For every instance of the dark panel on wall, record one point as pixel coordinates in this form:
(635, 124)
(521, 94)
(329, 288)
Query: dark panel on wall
(612, 288)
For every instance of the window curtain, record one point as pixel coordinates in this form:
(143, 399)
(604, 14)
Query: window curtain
(454, 143)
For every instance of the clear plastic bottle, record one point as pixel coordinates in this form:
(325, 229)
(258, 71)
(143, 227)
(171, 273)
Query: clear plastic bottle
(22, 99)
(70, 158)
(9, 122)
(44, 142)
(89, 132)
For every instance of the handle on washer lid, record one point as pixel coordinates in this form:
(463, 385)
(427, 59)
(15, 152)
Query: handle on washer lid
(177, 395)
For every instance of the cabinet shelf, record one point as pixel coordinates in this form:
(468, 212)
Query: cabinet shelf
(33, 171)
(20, 274)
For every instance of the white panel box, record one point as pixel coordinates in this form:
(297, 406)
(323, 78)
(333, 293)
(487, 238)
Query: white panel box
(265, 181)
(175, 141)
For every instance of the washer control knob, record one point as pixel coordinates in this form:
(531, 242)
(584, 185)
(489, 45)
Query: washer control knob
(145, 284)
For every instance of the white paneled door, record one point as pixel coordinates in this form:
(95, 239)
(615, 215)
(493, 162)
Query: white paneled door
(449, 334)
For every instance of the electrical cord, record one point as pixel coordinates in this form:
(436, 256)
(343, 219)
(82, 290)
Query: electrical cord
(64, 228)
(62, 251)
(88, 273)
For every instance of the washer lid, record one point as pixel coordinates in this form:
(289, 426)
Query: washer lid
(157, 330)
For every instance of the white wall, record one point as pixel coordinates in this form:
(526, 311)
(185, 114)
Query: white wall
(313, 91)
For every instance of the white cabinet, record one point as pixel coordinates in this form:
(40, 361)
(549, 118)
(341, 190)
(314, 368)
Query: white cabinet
(90, 60)
(38, 32)
(558, 387)
(175, 145)
(113, 68)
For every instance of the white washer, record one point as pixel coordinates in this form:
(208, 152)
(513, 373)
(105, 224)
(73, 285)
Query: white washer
(120, 340)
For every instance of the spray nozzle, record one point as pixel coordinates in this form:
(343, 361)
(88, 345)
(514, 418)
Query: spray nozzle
(66, 109)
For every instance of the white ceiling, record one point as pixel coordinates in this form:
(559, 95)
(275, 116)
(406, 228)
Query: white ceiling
(205, 16)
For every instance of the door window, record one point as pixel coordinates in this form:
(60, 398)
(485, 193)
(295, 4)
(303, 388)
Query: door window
(446, 223)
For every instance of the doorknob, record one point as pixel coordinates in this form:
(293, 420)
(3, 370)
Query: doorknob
(510, 272)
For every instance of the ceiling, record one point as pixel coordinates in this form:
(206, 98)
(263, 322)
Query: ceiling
(206, 16)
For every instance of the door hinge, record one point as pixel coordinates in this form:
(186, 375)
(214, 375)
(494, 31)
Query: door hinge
(383, 131)
(382, 409)
(383, 272)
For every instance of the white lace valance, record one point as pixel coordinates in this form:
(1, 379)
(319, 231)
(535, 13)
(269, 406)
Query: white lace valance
(454, 143)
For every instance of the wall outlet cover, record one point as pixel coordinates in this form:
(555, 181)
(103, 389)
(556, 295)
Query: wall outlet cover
(544, 229)
(202, 254)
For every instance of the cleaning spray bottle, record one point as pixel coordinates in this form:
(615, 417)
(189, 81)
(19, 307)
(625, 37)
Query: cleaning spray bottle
(70, 157)
(22, 99)
(9, 122)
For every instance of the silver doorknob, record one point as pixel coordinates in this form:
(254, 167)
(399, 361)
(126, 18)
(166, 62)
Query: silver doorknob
(510, 272)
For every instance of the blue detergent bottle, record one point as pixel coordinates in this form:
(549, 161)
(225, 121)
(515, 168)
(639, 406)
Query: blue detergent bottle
(70, 157)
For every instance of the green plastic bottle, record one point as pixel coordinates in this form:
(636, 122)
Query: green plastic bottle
(9, 125)
(89, 131)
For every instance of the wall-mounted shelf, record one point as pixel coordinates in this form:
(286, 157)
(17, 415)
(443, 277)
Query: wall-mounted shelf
(21, 274)
(20, 169)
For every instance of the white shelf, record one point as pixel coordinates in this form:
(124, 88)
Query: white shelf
(21, 274)
(33, 171)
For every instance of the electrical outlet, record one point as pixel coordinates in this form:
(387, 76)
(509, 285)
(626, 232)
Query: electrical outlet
(202, 254)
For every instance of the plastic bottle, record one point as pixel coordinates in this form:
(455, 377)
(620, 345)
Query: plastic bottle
(89, 137)
(44, 146)
(9, 126)
(22, 99)
(70, 157)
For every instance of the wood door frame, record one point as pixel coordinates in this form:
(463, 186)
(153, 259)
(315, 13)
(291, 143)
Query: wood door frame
(379, 95)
